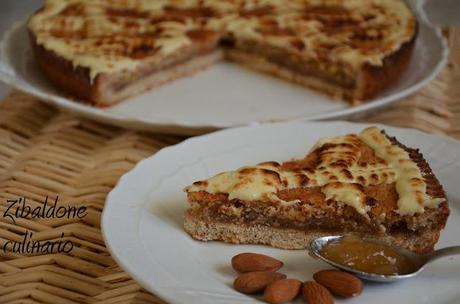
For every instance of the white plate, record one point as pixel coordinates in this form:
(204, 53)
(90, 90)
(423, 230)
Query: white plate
(225, 95)
(143, 216)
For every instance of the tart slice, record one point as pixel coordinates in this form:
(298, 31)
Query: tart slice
(366, 184)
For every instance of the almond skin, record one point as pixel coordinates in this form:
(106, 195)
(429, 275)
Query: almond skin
(314, 293)
(254, 282)
(248, 262)
(282, 291)
(339, 283)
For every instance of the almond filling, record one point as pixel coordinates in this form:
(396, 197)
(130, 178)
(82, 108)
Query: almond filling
(313, 212)
(126, 79)
(330, 72)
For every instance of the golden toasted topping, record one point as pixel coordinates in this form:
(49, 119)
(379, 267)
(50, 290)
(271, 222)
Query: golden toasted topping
(348, 193)
(351, 33)
(112, 35)
(337, 170)
(108, 36)
(410, 183)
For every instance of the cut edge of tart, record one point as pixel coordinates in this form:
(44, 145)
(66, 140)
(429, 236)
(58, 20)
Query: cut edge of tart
(365, 184)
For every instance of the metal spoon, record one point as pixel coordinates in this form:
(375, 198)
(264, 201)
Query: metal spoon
(419, 260)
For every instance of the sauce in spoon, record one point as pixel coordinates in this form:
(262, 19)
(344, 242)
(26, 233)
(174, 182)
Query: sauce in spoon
(370, 257)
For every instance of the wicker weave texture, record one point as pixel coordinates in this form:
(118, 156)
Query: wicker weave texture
(45, 152)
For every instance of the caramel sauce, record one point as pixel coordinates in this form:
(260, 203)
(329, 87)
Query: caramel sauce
(367, 256)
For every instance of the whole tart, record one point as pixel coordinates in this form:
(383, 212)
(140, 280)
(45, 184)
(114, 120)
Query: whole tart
(104, 51)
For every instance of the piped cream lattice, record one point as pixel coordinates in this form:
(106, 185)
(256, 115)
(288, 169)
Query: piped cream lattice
(338, 173)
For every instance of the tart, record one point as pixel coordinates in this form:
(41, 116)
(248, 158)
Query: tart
(106, 51)
(366, 184)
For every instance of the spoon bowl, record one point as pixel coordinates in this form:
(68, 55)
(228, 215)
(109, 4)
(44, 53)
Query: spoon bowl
(419, 261)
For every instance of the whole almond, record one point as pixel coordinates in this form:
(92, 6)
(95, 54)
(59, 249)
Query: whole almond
(314, 293)
(282, 291)
(254, 282)
(339, 283)
(248, 262)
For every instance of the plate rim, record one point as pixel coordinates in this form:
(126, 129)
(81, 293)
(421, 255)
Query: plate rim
(105, 222)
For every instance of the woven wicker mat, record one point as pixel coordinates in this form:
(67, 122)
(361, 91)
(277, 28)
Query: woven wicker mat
(48, 152)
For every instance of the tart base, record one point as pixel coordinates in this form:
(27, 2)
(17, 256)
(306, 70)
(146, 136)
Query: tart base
(284, 238)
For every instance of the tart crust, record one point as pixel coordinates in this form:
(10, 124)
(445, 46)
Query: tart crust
(371, 80)
(109, 89)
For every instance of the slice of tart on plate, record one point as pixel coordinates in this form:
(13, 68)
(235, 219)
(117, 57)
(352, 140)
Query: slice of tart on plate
(367, 184)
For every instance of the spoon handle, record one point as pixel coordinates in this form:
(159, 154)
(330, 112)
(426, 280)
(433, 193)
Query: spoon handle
(444, 252)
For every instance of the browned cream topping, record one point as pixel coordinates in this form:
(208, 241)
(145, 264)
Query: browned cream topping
(338, 173)
(112, 35)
